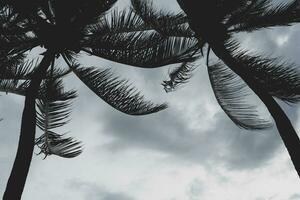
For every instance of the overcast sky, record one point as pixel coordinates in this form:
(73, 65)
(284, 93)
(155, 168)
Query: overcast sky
(190, 151)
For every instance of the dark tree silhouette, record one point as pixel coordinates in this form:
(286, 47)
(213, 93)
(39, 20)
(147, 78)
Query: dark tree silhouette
(64, 29)
(213, 23)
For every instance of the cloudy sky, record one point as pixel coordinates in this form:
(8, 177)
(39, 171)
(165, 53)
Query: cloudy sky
(190, 151)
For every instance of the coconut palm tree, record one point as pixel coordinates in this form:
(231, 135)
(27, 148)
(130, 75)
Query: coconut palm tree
(214, 23)
(65, 30)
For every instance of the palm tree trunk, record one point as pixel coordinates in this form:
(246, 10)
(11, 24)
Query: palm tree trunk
(284, 125)
(17, 179)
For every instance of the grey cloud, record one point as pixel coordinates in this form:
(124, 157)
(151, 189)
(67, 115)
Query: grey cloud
(170, 133)
(195, 189)
(295, 197)
(92, 191)
(291, 48)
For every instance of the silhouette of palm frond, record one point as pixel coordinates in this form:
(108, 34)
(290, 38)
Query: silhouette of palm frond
(54, 109)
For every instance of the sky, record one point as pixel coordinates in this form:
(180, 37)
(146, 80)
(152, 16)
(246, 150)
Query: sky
(190, 151)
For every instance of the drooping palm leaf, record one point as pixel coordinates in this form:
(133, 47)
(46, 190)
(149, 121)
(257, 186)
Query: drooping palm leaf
(232, 93)
(56, 144)
(281, 79)
(179, 76)
(117, 93)
(53, 114)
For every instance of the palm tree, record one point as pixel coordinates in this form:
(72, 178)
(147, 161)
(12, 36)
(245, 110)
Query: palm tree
(63, 29)
(214, 23)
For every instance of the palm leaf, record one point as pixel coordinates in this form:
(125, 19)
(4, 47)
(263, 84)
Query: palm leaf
(125, 41)
(232, 93)
(15, 36)
(13, 69)
(80, 12)
(281, 79)
(179, 76)
(9, 23)
(12, 66)
(18, 68)
(13, 73)
(169, 51)
(166, 23)
(115, 92)
(52, 143)
(259, 14)
(54, 114)
(13, 86)
(128, 21)
(56, 92)
(117, 22)
(20, 87)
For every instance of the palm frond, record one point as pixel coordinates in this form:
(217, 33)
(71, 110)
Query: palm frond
(10, 25)
(124, 21)
(9, 64)
(115, 92)
(55, 144)
(169, 51)
(14, 86)
(281, 79)
(56, 92)
(53, 111)
(232, 93)
(128, 21)
(166, 23)
(18, 68)
(15, 36)
(53, 114)
(13, 69)
(79, 12)
(125, 41)
(179, 76)
(260, 14)
(18, 44)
